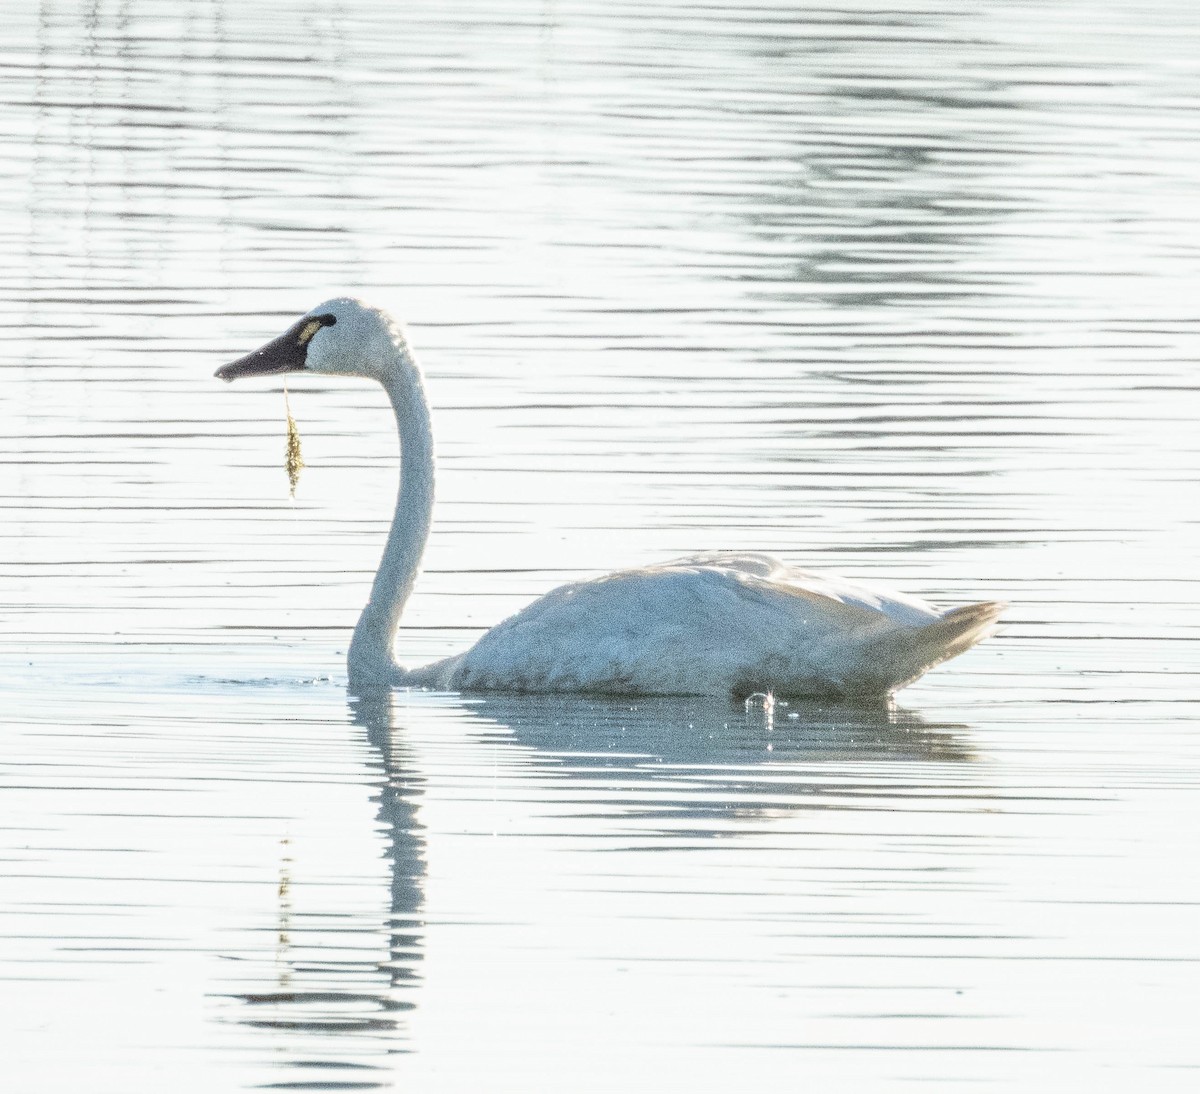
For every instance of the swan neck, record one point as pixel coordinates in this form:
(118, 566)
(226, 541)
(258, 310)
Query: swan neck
(371, 658)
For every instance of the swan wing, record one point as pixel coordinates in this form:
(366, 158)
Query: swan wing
(908, 610)
(708, 624)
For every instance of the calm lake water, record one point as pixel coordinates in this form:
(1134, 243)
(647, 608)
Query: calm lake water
(903, 290)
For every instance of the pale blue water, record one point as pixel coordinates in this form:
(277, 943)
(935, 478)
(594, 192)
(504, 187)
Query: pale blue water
(903, 291)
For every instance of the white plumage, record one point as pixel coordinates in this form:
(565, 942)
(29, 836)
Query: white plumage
(710, 624)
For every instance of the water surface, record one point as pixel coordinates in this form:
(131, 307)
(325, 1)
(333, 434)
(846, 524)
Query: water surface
(906, 291)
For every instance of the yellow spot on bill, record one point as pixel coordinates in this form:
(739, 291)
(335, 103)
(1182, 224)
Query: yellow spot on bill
(310, 328)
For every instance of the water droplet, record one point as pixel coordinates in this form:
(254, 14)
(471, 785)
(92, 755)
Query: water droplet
(762, 701)
(761, 705)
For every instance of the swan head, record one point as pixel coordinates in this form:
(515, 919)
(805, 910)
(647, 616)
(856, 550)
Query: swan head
(341, 337)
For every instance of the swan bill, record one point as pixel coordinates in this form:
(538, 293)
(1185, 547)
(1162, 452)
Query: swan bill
(283, 354)
(287, 353)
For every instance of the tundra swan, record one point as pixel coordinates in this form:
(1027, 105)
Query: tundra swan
(708, 624)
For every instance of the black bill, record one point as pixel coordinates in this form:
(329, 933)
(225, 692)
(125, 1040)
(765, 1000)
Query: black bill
(287, 353)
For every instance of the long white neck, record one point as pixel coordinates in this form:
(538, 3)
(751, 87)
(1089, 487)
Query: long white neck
(371, 660)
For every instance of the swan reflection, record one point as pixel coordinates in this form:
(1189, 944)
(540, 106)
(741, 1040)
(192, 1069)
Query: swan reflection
(569, 776)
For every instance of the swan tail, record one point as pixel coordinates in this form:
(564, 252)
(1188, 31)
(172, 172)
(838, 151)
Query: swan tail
(905, 654)
(956, 632)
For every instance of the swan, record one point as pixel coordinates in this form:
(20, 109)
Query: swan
(705, 625)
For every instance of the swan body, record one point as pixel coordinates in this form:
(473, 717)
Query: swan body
(705, 625)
